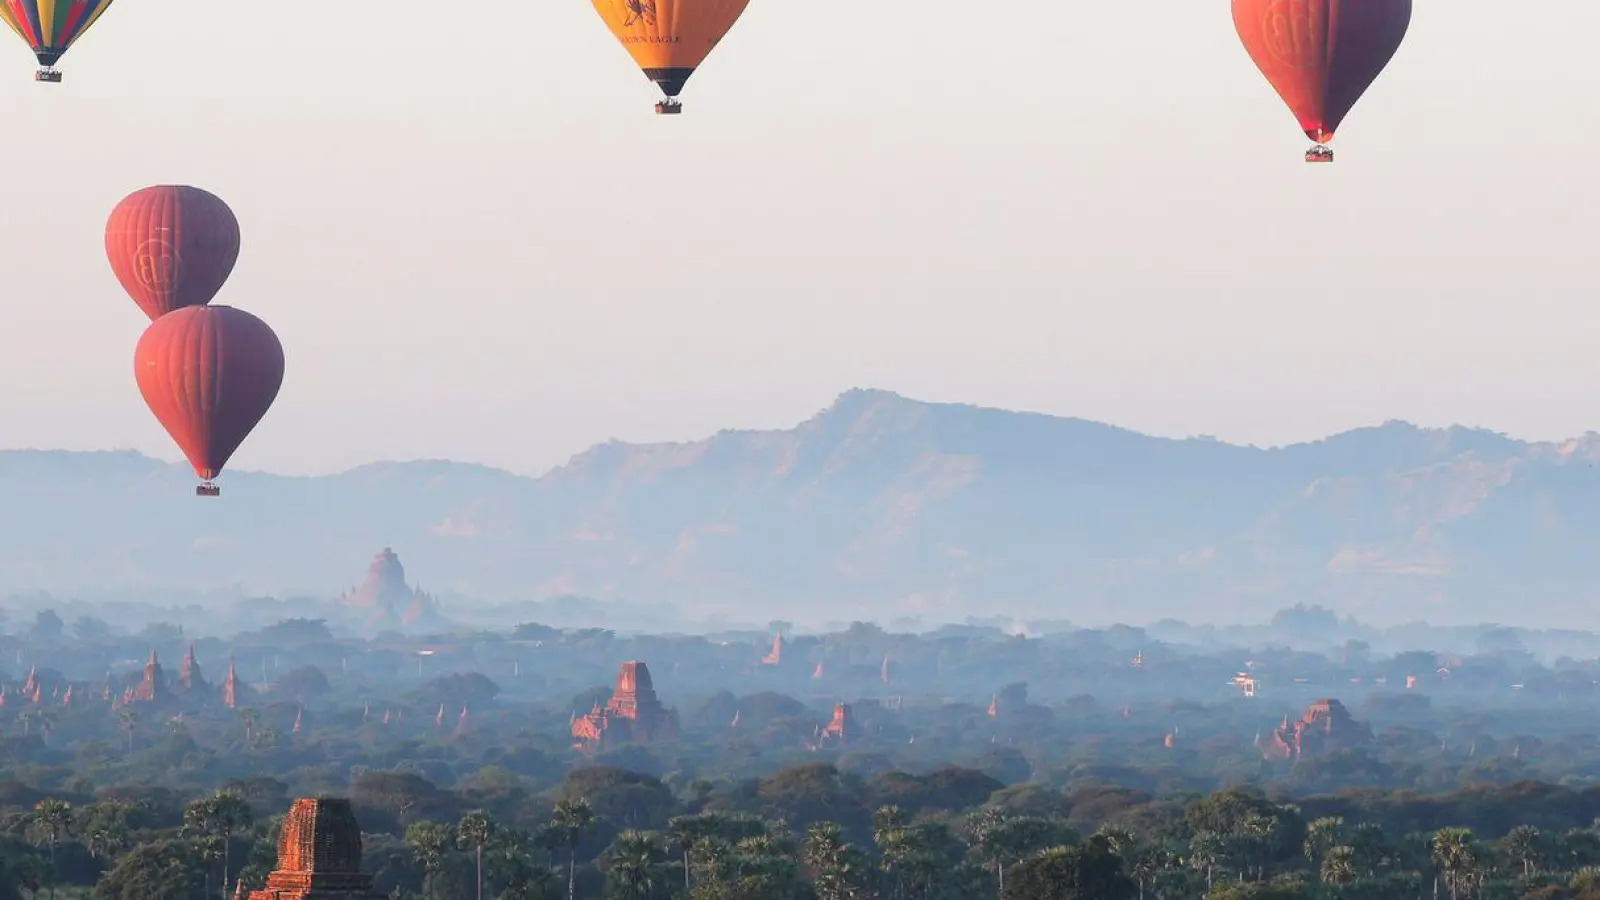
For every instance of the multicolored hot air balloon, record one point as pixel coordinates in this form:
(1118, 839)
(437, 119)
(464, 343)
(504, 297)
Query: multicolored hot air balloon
(171, 246)
(1321, 55)
(209, 373)
(669, 38)
(50, 27)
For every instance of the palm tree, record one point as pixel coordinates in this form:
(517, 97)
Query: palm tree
(249, 717)
(52, 820)
(1149, 866)
(130, 723)
(476, 829)
(1122, 841)
(570, 821)
(429, 842)
(513, 870)
(685, 832)
(1003, 842)
(634, 865)
(218, 818)
(106, 842)
(1261, 833)
(1338, 865)
(1322, 835)
(1455, 853)
(1207, 853)
(827, 854)
(1371, 848)
(1522, 843)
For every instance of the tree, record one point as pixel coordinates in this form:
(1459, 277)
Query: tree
(570, 821)
(1151, 865)
(1338, 865)
(634, 866)
(129, 719)
(1523, 844)
(160, 870)
(1089, 872)
(1003, 841)
(217, 819)
(512, 869)
(1371, 848)
(47, 626)
(1322, 835)
(476, 829)
(1208, 852)
(840, 870)
(430, 843)
(51, 821)
(89, 629)
(1456, 854)
(685, 832)
(249, 716)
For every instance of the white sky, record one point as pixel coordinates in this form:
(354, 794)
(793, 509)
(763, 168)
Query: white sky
(477, 242)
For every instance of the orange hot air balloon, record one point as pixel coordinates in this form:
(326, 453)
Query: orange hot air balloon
(669, 38)
(171, 246)
(1321, 55)
(209, 373)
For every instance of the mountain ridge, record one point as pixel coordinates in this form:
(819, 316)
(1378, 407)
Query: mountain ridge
(877, 505)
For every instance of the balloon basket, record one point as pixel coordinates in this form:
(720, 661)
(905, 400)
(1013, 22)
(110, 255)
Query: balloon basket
(669, 108)
(48, 76)
(1319, 154)
(207, 490)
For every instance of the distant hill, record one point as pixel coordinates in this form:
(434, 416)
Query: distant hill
(878, 505)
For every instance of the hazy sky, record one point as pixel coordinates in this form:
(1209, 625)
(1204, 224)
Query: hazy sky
(476, 241)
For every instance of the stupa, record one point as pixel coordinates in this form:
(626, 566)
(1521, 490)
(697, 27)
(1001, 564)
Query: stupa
(153, 688)
(384, 599)
(189, 677)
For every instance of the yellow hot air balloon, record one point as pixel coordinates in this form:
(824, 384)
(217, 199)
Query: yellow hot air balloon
(669, 38)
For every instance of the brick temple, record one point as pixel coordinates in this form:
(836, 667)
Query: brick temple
(1325, 727)
(319, 855)
(635, 714)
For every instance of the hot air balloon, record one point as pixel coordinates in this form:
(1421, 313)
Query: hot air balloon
(1321, 55)
(209, 373)
(171, 246)
(669, 38)
(50, 27)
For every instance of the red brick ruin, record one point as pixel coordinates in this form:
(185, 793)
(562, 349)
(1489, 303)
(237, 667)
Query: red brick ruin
(634, 716)
(319, 855)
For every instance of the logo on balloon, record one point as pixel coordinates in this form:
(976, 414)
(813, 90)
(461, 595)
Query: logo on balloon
(1291, 32)
(640, 11)
(157, 265)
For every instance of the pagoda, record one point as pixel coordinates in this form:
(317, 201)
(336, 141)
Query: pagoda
(153, 687)
(384, 600)
(634, 715)
(841, 728)
(189, 677)
(775, 658)
(1325, 727)
(230, 686)
(319, 855)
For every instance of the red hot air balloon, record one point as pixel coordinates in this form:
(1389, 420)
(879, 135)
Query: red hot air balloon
(209, 373)
(1321, 55)
(171, 246)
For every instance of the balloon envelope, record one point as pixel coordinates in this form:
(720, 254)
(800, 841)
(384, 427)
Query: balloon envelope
(1321, 55)
(669, 38)
(50, 26)
(209, 373)
(171, 246)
